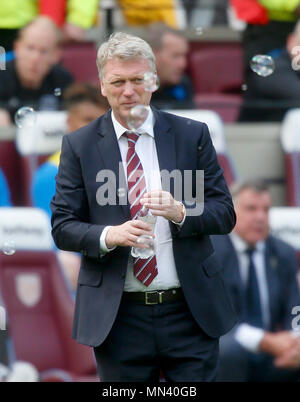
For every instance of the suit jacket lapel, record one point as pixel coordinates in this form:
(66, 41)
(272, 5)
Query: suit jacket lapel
(110, 153)
(165, 145)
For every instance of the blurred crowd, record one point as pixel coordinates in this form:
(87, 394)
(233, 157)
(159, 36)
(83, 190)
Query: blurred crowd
(35, 34)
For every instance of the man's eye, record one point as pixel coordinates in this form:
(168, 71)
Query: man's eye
(139, 80)
(117, 83)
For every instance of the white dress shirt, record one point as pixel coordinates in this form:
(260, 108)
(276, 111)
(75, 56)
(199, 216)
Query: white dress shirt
(247, 335)
(146, 149)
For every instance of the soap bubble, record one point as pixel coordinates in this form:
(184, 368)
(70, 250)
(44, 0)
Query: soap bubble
(57, 91)
(9, 248)
(244, 87)
(262, 65)
(151, 81)
(137, 115)
(25, 117)
(121, 192)
(198, 31)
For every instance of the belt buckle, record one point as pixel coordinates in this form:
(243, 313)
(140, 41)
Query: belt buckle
(155, 302)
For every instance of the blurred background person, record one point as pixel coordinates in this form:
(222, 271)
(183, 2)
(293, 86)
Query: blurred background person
(269, 22)
(83, 103)
(31, 79)
(142, 13)
(170, 48)
(73, 16)
(117, 14)
(269, 98)
(260, 272)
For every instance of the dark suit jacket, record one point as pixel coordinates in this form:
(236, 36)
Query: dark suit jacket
(78, 221)
(281, 268)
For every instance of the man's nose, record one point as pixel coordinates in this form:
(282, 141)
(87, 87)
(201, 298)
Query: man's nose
(128, 89)
(35, 55)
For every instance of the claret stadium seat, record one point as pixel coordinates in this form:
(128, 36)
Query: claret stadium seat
(10, 165)
(38, 301)
(36, 143)
(217, 74)
(80, 60)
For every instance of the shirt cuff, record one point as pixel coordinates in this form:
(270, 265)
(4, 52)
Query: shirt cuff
(103, 247)
(179, 224)
(249, 337)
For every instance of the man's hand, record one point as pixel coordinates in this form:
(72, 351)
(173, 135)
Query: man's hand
(127, 233)
(282, 345)
(161, 203)
(290, 359)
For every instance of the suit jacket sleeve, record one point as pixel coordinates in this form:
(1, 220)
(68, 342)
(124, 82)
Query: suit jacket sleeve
(290, 293)
(70, 213)
(218, 216)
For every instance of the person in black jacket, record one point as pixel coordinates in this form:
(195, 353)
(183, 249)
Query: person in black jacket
(269, 98)
(170, 48)
(34, 78)
(260, 273)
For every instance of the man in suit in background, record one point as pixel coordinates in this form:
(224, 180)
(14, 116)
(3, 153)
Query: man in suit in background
(170, 47)
(168, 311)
(260, 272)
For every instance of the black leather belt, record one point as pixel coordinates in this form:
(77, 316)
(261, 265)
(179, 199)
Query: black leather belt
(154, 297)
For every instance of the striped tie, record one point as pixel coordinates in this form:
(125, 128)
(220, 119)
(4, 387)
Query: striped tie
(145, 270)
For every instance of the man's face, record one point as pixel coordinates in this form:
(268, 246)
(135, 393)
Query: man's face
(82, 114)
(36, 52)
(252, 211)
(171, 59)
(122, 84)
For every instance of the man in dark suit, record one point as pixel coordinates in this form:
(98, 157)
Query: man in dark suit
(168, 311)
(260, 272)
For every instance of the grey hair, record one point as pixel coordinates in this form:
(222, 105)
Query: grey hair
(125, 47)
(257, 185)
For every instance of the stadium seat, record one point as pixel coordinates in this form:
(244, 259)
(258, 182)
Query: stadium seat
(290, 134)
(216, 129)
(217, 69)
(36, 144)
(285, 224)
(217, 74)
(38, 301)
(80, 60)
(10, 164)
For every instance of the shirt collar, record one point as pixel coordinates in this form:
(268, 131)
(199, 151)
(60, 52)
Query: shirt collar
(146, 127)
(241, 246)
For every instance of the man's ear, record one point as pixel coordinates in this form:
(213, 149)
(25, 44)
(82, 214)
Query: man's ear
(102, 87)
(16, 45)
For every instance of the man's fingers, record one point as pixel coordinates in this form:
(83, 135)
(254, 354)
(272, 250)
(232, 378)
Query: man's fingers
(288, 360)
(139, 224)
